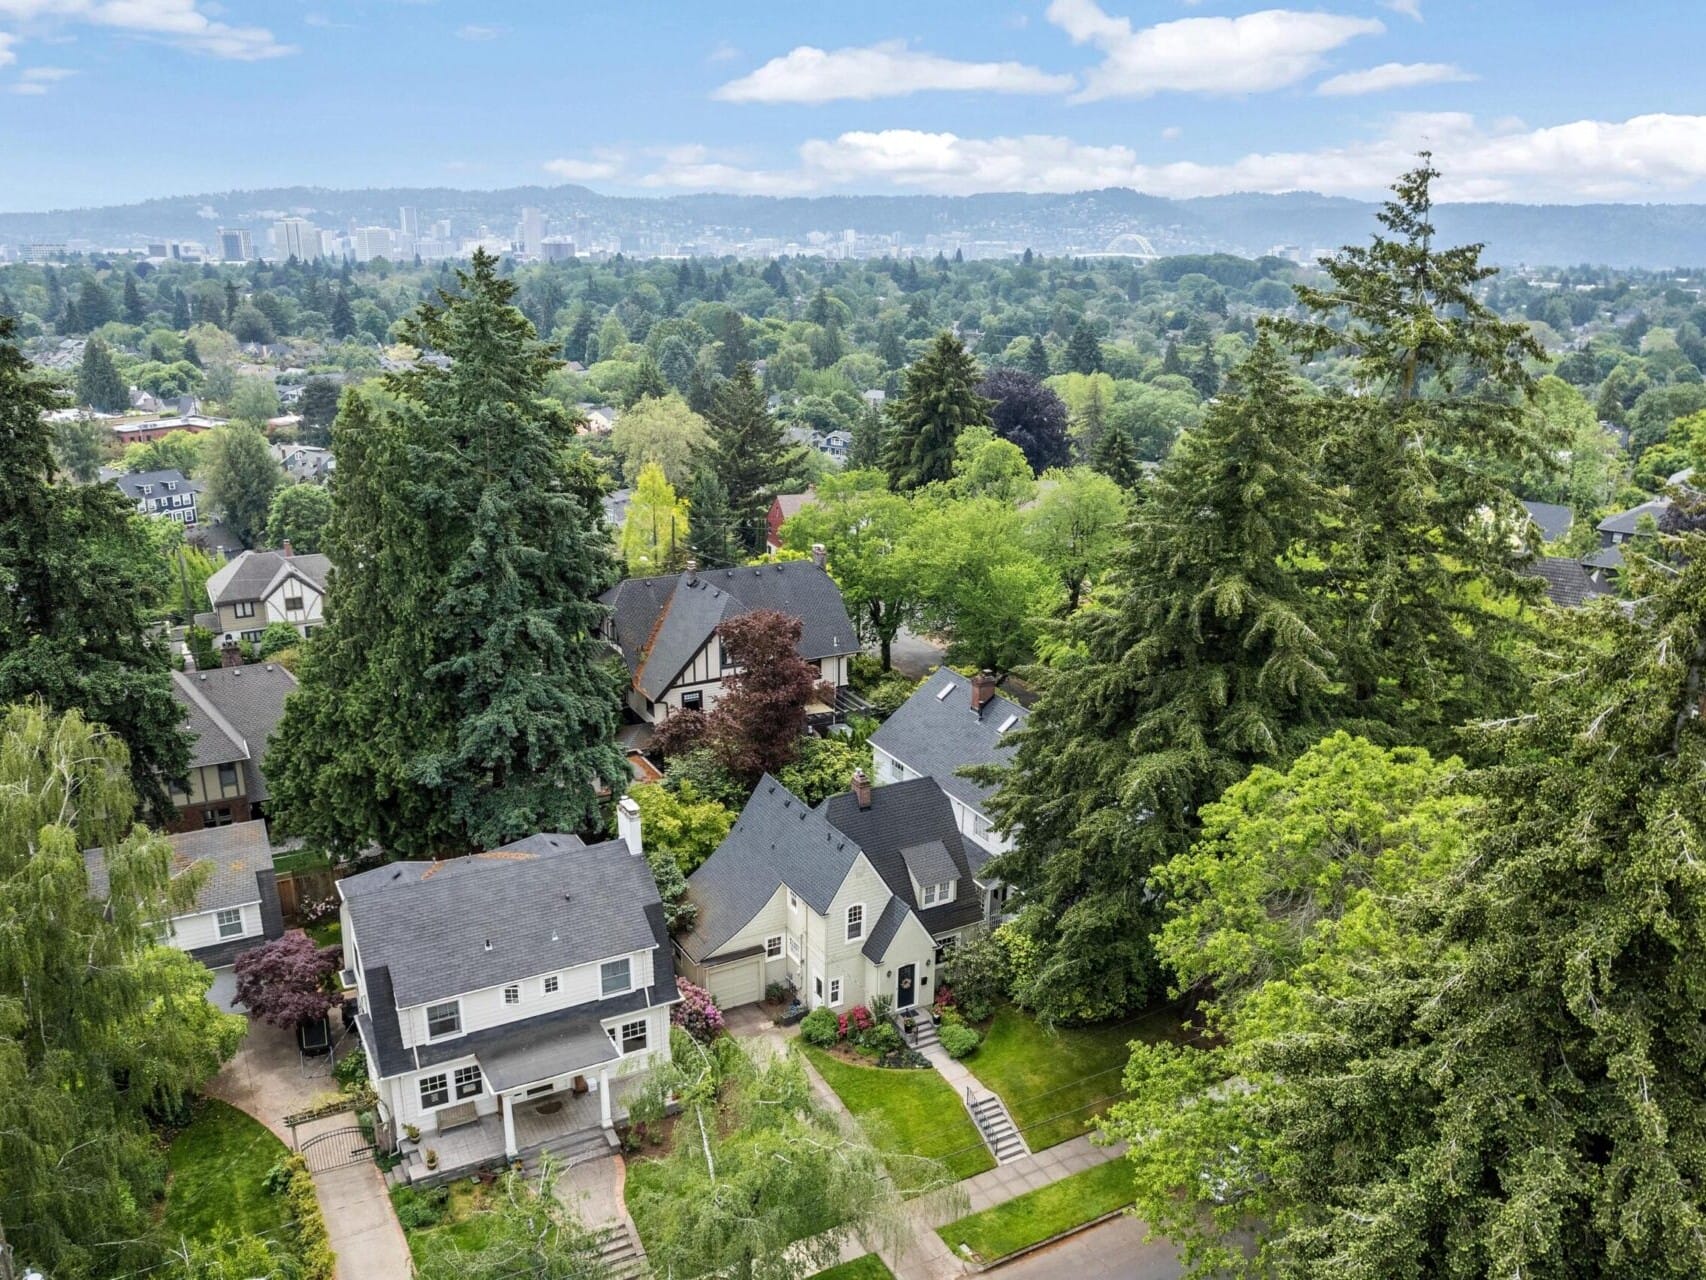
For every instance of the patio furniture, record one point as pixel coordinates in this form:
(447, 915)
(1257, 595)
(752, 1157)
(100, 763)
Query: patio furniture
(455, 1117)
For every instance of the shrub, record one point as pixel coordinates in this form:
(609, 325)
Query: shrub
(820, 1027)
(904, 1059)
(881, 1038)
(859, 1018)
(977, 974)
(890, 691)
(313, 1247)
(948, 1016)
(778, 992)
(351, 1071)
(419, 1208)
(959, 1040)
(278, 637)
(881, 1007)
(697, 1014)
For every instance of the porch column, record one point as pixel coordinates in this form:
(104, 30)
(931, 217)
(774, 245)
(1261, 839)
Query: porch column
(604, 1098)
(509, 1125)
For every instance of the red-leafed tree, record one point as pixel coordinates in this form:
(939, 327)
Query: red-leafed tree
(756, 725)
(287, 981)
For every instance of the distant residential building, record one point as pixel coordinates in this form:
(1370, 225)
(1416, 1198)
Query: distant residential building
(154, 428)
(601, 419)
(259, 588)
(167, 494)
(305, 462)
(235, 244)
(230, 714)
(1552, 519)
(783, 506)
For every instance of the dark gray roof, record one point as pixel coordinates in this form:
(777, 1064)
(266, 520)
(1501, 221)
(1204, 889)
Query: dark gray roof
(661, 623)
(1567, 582)
(929, 863)
(130, 483)
(250, 575)
(902, 816)
(1553, 519)
(777, 840)
(1626, 521)
(247, 700)
(464, 924)
(1604, 558)
(235, 856)
(939, 735)
(883, 931)
(213, 739)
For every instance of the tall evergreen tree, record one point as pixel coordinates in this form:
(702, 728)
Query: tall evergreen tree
(714, 543)
(939, 401)
(1116, 457)
(98, 382)
(77, 583)
(1171, 361)
(1036, 358)
(749, 453)
(459, 696)
(1084, 350)
(180, 310)
(1209, 660)
(134, 310)
(1205, 374)
(94, 305)
(343, 316)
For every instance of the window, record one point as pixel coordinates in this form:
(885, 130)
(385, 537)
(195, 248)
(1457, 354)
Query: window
(793, 947)
(817, 986)
(230, 922)
(980, 825)
(835, 991)
(630, 1038)
(171, 486)
(227, 776)
(147, 489)
(512, 994)
(253, 637)
(469, 1083)
(293, 604)
(615, 977)
(793, 902)
(243, 609)
(855, 922)
(443, 1019)
(936, 894)
(216, 817)
(773, 947)
(693, 700)
(899, 771)
(944, 691)
(435, 1091)
(551, 985)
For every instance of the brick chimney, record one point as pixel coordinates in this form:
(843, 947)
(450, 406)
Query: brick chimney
(230, 655)
(982, 690)
(862, 788)
(820, 554)
(285, 548)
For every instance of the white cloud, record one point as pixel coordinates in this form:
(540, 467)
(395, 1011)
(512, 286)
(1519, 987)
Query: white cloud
(1642, 157)
(1409, 8)
(179, 22)
(37, 80)
(887, 70)
(1250, 54)
(1172, 133)
(1391, 75)
(722, 51)
(7, 57)
(572, 170)
(478, 31)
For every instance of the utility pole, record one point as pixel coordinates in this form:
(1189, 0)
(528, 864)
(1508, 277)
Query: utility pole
(6, 1272)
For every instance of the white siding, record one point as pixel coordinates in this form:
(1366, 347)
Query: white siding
(201, 929)
(772, 919)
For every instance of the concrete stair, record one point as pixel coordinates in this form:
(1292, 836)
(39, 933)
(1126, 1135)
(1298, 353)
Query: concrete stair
(619, 1250)
(997, 1127)
(568, 1150)
(925, 1036)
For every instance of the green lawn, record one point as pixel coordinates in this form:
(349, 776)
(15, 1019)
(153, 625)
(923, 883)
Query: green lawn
(328, 933)
(1037, 1215)
(216, 1165)
(461, 1228)
(1056, 1082)
(301, 860)
(870, 1267)
(908, 1112)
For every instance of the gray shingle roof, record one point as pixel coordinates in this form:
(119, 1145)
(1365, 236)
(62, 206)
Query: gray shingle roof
(937, 736)
(907, 815)
(247, 701)
(250, 575)
(213, 739)
(1567, 582)
(456, 926)
(930, 862)
(661, 623)
(1551, 518)
(131, 483)
(235, 856)
(777, 840)
(883, 931)
(1626, 521)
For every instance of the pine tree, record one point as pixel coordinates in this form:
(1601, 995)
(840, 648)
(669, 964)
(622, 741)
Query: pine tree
(1116, 457)
(98, 382)
(712, 524)
(1208, 660)
(134, 310)
(459, 696)
(180, 310)
(94, 305)
(938, 402)
(1171, 361)
(865, 451)
(1205, 374)
(343, 316)
(1084, 350)
(77, 584)
(1036, 359)
(648, 381)
(1525, 1093)
(749, 454)
(232, 301)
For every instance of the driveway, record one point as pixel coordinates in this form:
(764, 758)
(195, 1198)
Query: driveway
(269, 1079)
(916, 655)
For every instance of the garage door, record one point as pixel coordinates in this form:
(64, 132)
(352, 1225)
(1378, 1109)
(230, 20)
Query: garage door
(739, 982)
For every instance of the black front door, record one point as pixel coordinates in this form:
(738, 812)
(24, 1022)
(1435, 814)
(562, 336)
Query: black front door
(906, 988)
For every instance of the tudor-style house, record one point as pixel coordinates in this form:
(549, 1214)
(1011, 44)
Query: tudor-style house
(236, 906)
(258, 588)
(856, 899)
(665, 628)
(509, 998)
(948, 724)
(229, 713)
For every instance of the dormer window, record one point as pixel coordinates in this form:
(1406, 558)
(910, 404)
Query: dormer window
(935, 895)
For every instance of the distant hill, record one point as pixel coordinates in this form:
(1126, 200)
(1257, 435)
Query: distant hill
(1624, 235)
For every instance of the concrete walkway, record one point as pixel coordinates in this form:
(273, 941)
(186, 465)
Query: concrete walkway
(1114, 1250)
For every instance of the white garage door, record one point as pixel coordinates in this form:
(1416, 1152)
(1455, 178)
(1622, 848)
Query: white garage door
(740, 982)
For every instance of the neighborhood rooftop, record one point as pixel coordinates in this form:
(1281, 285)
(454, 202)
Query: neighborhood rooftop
(231, 712)
(936, 732)
(251, 575)
(234, 856)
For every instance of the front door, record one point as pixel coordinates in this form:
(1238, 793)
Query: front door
(906, 987)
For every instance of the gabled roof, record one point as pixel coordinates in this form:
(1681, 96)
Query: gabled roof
(1567, 582)
(777, 840)
(913, 817)
(1626, 521)
(235, 855)
(882, 933)
(936, 733)
(791, 504)
(1553, 519)
(464, 924)
(213, 738)
(242, 706)
(253, 574)
(132, 483)
(660, 623)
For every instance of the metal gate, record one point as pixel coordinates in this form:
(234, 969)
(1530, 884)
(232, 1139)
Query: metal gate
(335, 1149)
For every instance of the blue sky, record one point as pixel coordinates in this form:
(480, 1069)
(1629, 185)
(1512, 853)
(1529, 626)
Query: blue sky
(108, 101)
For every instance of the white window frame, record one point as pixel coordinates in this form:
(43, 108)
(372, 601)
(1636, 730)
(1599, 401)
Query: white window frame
(441, 1084)
(512, 993)
(835, 991)
(550, 985)
(773, 947)
(454, 1031)
(619, 1036)
(229, 922)
(243, 609)
(604, 987)
(463, 1078)
(854, 932)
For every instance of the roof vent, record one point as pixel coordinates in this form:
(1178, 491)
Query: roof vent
(488, 944)
(554, 937)
(944, 691)
(397, 875)
(1007, 724)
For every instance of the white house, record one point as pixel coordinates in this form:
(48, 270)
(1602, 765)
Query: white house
(258, 588)
(665, 628)
(166, 494)
(236, 906)
(856, 899)
(538, 975)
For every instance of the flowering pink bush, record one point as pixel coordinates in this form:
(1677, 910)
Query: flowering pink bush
(841, 1025)
(697, 1014)
(861, 1018)
(944, 996)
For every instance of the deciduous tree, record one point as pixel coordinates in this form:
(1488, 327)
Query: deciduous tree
(80, 447)
(661, 430)
(299, 514)
(756, 725)
(1029, 414)
(655, 531)
(1077, 526)
(241, 477)
(287, 982)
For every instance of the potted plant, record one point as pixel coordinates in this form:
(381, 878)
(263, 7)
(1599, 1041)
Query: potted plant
(431, 1158)
(413, 1133)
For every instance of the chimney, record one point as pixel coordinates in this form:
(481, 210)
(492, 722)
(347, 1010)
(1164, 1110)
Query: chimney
(285, 548)
(820, 554)
(862, 788)
(628, 824)
(692, 571)
(982, 690)
(230, 655)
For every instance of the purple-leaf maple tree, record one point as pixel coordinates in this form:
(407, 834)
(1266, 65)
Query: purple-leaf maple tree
(757, 722)
(286, 981)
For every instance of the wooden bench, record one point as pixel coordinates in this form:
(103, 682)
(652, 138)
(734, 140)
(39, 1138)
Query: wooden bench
(455, 1117)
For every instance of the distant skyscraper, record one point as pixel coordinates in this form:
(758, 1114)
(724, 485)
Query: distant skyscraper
(532, 232)
(295, 238)
(373, 242)
(441, 229)
(409, 219)
(235, 244)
